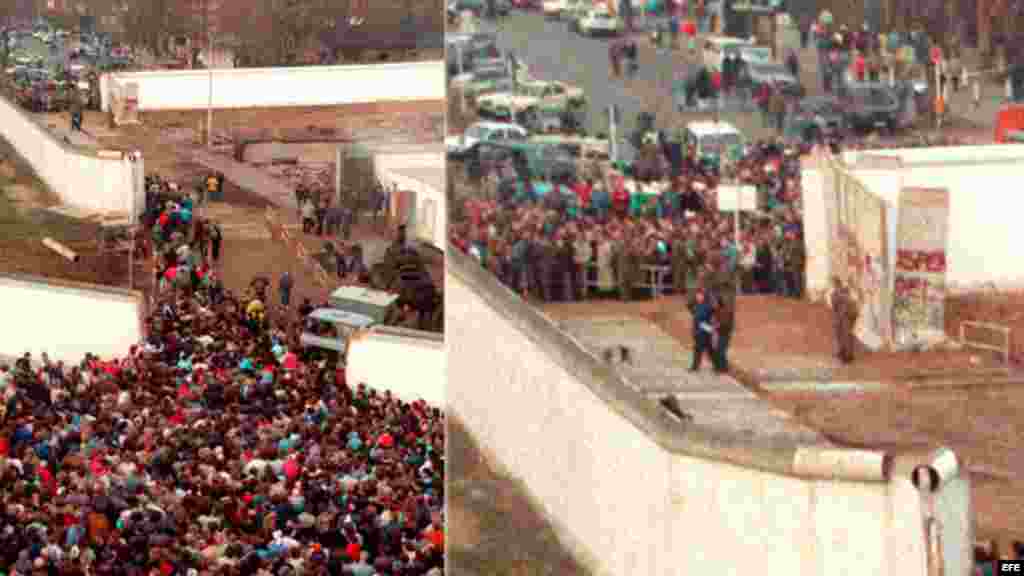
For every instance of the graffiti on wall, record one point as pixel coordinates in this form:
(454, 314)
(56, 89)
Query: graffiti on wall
(858, 253)
(920, 272)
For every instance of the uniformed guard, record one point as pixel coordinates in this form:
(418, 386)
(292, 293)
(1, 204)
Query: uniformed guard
(625, 267)
(547, 266)
(794, 260)
(679, 263)
(844, 318)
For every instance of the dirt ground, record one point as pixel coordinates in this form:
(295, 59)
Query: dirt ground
(778, 339)
(493, 529)
(164, 138)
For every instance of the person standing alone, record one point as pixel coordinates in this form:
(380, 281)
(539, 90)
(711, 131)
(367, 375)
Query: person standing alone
(844, 318)
(703, 330)
(284, 287)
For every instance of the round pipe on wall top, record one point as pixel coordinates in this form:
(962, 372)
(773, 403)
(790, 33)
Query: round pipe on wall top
(836, 464)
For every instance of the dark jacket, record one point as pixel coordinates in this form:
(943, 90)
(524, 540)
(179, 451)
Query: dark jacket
(702, 314)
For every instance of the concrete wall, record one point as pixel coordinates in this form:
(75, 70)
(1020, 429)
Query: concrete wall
(632, 491)
(983, 228)
(79, 177)
(66, 319)
(411, 364)
(270, 87)
(422, 174)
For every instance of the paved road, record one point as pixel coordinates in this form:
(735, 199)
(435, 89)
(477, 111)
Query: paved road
(552, 52)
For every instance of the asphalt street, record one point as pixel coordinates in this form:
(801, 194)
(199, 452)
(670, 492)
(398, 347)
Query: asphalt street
(553, 52)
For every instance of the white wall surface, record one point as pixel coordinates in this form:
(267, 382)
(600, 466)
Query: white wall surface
(79, 177)
(412, 367)
(984, 230)
(269, 87)
(67, 321)
(626, 504)
(431, 202)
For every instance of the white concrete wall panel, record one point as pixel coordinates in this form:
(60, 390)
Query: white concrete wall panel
(79, 178)
(67, 321)
(984, 231)
(412, 369)
(628, 505)
(271, 87)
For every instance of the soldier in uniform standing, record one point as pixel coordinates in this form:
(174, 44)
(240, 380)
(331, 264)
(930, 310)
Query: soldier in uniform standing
(724, 283)
(567, 269)
(844, 317)
(626, 265)
(679, 265)
(794, 258)
(546, 257)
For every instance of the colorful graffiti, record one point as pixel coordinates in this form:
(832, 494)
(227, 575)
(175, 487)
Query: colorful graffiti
(858, 253)
(920, 272)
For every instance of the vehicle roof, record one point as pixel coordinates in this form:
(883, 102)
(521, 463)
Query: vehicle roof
(336, 316)
(496, 125)
(366, 295)
(710, 128)
(726, 40)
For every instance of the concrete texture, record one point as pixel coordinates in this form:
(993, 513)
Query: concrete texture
(624, 484)
(660, 367)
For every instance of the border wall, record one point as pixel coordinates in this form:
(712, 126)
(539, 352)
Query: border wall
(632, 491)
(67, 319)
(297, 86)
(98, 181)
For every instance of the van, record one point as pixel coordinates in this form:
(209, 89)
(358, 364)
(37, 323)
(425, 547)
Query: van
(715, 48)
(711, 140)
(352, 308)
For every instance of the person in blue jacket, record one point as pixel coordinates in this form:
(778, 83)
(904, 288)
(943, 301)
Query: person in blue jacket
(703, 329)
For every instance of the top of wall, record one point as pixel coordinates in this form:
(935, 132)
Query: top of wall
(265, 71)
(774, 455)
(948, 155)
(46, 133)
(61, 285)
(407, 336)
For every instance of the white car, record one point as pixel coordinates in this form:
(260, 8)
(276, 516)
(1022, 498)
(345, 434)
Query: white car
(597, 22)
(555, 9)
(481, 132)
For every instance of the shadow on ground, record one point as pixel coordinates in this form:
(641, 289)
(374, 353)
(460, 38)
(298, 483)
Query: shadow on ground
(493, 529)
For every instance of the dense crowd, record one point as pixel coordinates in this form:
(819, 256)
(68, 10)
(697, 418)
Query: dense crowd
(217, 446)
(555, 240)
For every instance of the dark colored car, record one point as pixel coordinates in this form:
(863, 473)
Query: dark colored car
(872, 106)
(753, 75)
(819, 116)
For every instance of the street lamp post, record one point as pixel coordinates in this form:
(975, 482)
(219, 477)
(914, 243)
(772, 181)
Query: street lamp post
(209, 70)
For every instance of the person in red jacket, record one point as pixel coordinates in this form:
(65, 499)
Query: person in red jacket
(582, 189)
(860, 66)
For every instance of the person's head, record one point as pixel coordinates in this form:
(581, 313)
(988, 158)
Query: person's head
(699, 296)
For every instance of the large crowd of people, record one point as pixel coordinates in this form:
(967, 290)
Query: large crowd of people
(217, 446)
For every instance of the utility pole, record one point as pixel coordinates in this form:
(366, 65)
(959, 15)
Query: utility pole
(209, 70)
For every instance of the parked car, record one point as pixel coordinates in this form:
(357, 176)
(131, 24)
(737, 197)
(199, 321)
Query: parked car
(484, 81)
(466, 144)
(546, 121)
(870, 106)
(531, 94)
(756, 74)
(555, 9)
(817, 117)
(598, 22)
